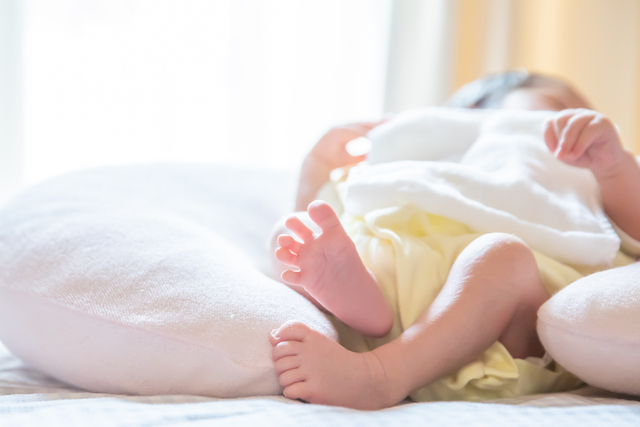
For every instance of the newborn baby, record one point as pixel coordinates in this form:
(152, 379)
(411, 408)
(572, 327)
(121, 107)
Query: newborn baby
(451, 310)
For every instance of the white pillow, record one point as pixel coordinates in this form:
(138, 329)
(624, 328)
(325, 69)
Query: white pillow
(592, 328)
(144, 280)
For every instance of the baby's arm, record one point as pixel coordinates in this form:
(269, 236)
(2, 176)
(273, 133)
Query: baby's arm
(588, 139)
(328, 154)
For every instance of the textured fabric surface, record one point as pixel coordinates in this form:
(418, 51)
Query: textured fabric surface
(591, 328)
(29, 398)
(505, 181)
(82, 410)
(135, 280)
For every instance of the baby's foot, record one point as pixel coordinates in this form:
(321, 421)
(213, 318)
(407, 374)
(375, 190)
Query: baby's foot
(313, 368)
(331, 270)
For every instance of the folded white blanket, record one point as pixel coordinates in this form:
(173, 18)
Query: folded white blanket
(490, 170)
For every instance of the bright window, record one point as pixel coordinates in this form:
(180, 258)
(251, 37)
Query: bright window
(237, 81)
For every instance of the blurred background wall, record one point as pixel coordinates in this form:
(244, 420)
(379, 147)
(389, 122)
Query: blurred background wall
(11, 107)
(90, 83)
(86, 83)
(438, 45)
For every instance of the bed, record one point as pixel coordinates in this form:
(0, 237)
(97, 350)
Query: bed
(31, 398)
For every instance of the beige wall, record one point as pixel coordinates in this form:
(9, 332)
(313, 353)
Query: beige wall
(595, 44)
(438, 45)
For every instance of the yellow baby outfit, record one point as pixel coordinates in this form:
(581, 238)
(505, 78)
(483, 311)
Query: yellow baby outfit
(399, 210)
(410, 252)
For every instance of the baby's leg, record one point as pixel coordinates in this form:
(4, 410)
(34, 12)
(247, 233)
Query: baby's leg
(492, 293)
(331, 270)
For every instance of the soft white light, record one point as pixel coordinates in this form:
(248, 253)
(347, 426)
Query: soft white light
(239, 81)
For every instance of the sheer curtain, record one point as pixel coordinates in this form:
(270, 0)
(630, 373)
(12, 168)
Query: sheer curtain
(10, 98)
(236, 81)
(438, 45)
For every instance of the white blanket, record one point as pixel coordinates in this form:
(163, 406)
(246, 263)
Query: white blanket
(490, 170)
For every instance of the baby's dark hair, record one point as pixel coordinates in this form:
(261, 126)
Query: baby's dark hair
(489, 91)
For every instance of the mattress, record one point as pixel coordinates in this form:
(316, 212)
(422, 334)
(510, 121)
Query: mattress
(30, 398)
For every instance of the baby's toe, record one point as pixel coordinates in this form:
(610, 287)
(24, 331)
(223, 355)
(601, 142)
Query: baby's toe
(291, 277)
(288, 242)
(294, 224)
(284, 349)
(291, 376)
(323, 215)
(293, 331)
(286, 363)
(299, 391)
(285, 255)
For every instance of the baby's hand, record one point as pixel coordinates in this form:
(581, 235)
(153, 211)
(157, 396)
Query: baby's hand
(330, 152)
(586, 139)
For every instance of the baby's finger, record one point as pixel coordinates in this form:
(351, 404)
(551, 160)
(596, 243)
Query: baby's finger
(560, 122)
(358, 159)
(370, 125)
(294, 224)
(572, 131)
(550, 137)
(361, 128)
(385, 118)
(586, 140)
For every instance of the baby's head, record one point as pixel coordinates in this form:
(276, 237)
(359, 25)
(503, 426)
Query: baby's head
(518, 90)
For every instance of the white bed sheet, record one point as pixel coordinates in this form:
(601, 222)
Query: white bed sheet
(29, 398)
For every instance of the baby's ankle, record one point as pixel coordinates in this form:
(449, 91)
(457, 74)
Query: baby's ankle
(386, 390)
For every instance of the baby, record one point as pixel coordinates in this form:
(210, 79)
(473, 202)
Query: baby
(493, 289)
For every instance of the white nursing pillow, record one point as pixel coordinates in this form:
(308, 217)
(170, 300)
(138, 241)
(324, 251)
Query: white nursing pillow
(592, 328)
(144, 280)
